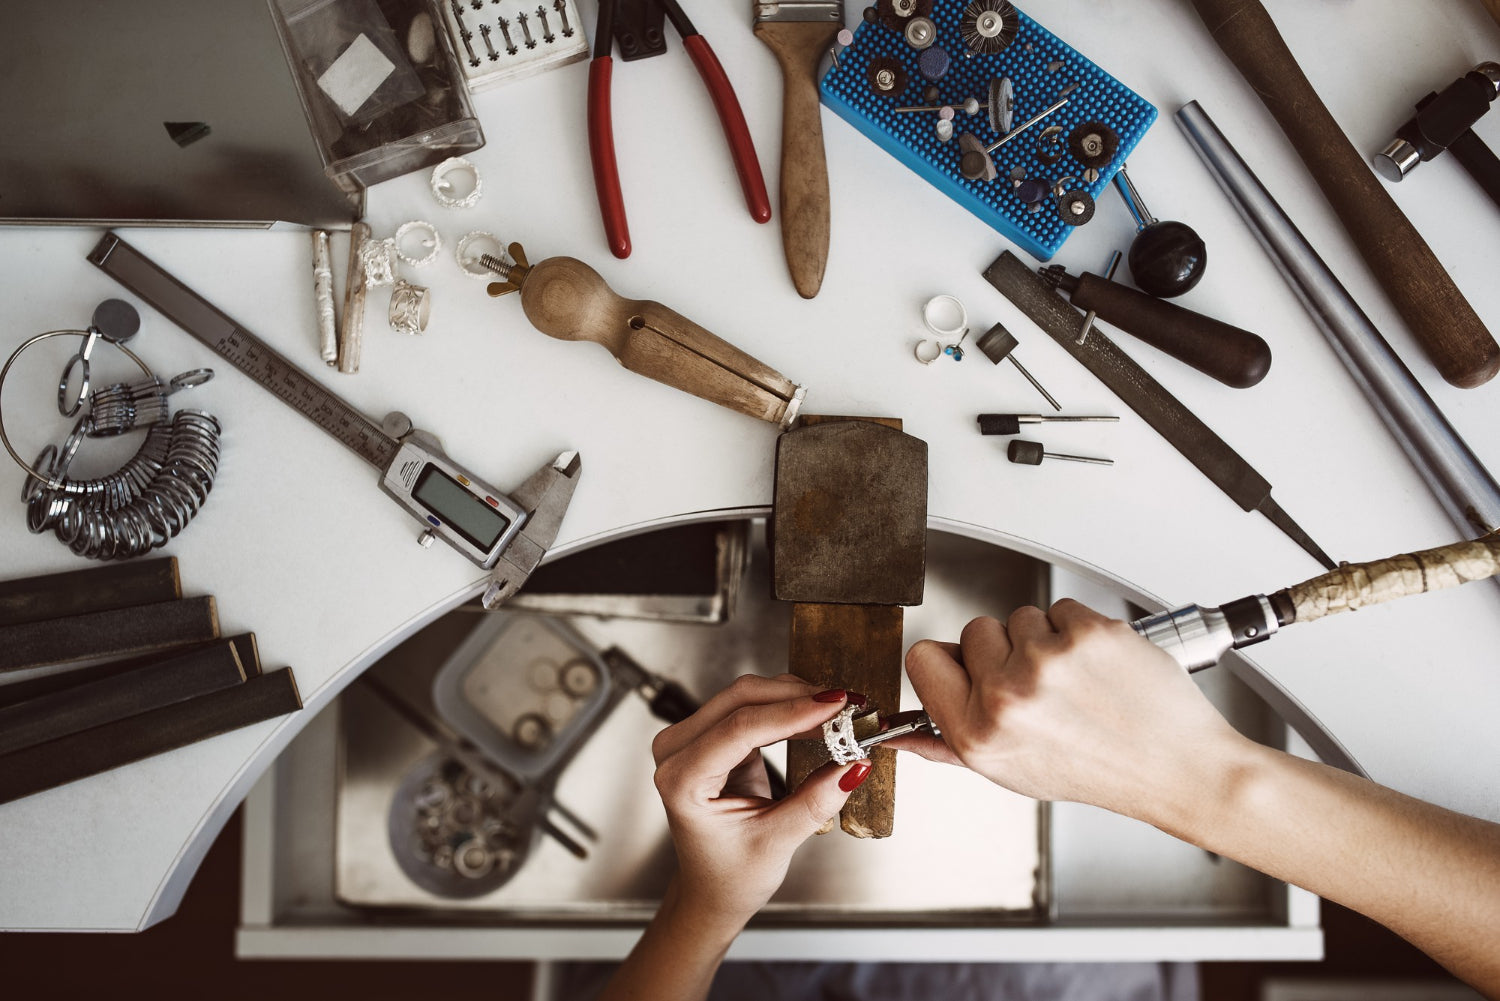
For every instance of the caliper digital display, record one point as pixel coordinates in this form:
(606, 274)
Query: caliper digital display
(465, 512)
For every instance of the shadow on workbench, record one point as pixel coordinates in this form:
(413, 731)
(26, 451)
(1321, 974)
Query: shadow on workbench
(191, 955)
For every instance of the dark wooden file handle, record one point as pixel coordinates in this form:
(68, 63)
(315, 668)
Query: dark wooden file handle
(1235, 357)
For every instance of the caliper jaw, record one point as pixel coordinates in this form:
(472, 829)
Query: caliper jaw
(544, 497)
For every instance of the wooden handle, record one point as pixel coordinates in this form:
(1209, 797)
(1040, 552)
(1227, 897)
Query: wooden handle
(799, 47)
(567, 299)
(1235, 357)
(1355, 585)
(1453, 337)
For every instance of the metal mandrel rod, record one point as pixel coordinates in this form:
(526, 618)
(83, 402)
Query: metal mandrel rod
(1453, 473)
(328, 342)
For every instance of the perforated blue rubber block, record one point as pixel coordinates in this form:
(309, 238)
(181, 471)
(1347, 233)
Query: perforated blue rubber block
(911, 138)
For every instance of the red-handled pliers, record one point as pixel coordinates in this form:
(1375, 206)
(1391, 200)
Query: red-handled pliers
(601, 130)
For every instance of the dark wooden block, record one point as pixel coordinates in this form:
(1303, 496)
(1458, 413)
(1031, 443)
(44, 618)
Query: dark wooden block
(128, 693)
(89, 752)
(97, 589)
(858, 648)
(113, 633)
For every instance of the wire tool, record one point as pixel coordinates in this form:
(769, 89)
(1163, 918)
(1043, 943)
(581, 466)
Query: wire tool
(641, 20)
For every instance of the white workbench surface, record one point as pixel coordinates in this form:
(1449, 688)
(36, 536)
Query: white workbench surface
(299, 545)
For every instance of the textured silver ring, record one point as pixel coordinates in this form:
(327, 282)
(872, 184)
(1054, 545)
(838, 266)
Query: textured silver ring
(471, 247)
(375, 258)
(410, 308)
(442, 188)
(432, 242)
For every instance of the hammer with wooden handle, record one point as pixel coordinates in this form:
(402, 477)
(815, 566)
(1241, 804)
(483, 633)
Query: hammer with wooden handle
(1451, 334)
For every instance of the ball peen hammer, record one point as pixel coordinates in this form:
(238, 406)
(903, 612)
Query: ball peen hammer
(1451, 334)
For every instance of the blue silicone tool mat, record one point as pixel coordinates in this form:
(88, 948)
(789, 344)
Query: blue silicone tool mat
(1040, 66)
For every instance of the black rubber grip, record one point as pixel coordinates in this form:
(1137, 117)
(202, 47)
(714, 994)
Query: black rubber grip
(1233, 356)
(999, 424)
(672, 703)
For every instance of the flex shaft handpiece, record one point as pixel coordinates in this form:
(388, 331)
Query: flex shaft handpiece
(1197, 637)
(567, 299)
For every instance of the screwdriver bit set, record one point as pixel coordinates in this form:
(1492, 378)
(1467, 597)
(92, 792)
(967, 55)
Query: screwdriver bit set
(498, 41)
(1041, 183)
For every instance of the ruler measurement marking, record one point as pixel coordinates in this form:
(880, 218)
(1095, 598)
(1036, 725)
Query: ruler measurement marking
(246, 352)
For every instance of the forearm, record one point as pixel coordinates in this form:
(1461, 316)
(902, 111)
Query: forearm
(676, 957)
(1430, 875)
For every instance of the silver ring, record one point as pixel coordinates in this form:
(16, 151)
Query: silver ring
(442, 188)
(470, 262)
(433, 243)
(191, 378)
(51, 482)
(375, 259)
(410, 308)
(945, 316)
(928, 351)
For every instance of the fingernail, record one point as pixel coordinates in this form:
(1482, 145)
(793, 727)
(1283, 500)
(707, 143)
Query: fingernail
(831, 695)
(857, 773)
(856, 699)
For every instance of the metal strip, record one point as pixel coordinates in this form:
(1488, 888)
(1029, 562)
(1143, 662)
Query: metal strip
(1456, 477)
(244, 350)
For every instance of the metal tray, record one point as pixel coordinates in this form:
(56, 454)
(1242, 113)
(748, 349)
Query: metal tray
(995, 867)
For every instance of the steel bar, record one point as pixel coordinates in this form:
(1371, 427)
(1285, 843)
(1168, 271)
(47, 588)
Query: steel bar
(90, 752)
(97, 589)
(1454, 474)
(114, 633)
(83, 707)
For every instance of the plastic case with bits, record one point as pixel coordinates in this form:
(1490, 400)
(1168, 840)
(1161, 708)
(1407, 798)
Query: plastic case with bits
(524, 689)
(912, 138)
(525, 37)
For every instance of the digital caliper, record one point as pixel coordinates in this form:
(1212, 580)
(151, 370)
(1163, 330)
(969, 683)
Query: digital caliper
(506, 534)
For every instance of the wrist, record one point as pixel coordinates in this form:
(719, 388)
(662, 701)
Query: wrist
(699, 915)
(1207, 791)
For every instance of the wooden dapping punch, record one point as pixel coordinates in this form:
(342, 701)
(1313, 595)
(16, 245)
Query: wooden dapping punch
(849, 547)
(565, 298)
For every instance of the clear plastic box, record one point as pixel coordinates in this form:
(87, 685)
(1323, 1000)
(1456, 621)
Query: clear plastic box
(381, 87)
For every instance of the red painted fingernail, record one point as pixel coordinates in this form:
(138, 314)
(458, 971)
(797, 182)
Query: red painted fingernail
(857, 773)
(856, 699)
(832, 695)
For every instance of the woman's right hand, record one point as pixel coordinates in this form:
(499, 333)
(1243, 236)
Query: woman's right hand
(1069, 705)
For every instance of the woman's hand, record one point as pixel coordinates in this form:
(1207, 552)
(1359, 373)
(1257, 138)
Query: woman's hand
(1068, 705)
(734, 843)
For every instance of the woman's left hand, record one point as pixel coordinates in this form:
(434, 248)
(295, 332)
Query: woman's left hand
(734, 843)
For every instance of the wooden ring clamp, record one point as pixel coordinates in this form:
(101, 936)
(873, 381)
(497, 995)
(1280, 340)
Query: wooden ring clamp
(565, 298)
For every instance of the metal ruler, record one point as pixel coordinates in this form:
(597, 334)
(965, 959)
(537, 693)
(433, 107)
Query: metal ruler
(246, 352)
